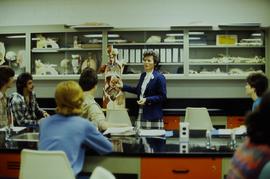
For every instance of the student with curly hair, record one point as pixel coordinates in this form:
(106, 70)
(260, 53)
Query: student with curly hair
(254, 154)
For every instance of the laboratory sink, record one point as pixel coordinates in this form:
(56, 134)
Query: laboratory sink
(25, 137)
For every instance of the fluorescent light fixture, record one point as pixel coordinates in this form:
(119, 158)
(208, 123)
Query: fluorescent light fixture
(36, 38)
(100, 35)
(16, 37)
(196, 33)
(173, 40)
(256, 34)
(93, 35)
(114, 35)
(174, 35)
(117, 40)
(194, 38)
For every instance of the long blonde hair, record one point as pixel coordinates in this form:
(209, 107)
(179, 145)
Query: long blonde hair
(69, 98)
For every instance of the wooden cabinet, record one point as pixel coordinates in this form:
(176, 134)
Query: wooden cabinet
(171, 122)
(9, 165)
(204, 168)
(235, 121)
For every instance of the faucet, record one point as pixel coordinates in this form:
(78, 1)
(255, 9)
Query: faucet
(233, 143)
(138, 122)
(208, 139)
(8, 132)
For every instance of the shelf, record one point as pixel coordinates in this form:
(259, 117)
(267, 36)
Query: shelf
(223, 46)
(146, 44)
(223, 64)
(48, 50)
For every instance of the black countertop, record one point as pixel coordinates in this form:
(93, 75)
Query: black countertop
(146, 147)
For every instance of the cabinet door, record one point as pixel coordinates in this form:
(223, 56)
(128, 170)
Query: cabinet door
(65, 53)
(9, 165)
(12, 52)
(226, 52)
(181, 168)
(132, 44)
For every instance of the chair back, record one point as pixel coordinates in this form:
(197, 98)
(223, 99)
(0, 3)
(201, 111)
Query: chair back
(101, 173)
(265, 173)
(198, 118)
(45, 165)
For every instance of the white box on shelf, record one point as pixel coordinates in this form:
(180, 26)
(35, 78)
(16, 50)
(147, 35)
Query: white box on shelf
(138, 56)
(175, 55)
(168, 55)
(132, 55)
(162, 55)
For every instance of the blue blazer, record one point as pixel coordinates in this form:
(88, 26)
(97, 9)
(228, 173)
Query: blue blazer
(155, 94)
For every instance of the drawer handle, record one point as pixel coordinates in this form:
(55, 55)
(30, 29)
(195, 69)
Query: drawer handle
(180, 171)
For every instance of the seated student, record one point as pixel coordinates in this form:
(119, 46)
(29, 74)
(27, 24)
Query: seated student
(6, 80)
(250, 158)
(69, 132)
(91, 109)
(23, 103)
(257, 84)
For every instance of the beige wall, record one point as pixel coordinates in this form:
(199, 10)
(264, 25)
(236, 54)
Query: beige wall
(134, 13)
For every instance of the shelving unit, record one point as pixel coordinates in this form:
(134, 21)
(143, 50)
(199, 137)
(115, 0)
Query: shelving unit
(13, 52)
(227, 52)
(131, 44)
(186, 52)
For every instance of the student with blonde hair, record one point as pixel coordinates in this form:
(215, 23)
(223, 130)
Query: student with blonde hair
(69, 132)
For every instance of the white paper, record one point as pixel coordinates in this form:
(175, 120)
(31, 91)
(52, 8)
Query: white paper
(15, 129)
(119, 131)
(152, 132)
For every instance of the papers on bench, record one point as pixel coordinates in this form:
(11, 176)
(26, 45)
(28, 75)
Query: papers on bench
(120, 131)
(238, 131)
(151, 132)
(15, 129)
(128, 131)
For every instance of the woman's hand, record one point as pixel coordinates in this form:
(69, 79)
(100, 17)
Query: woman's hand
(141, 101)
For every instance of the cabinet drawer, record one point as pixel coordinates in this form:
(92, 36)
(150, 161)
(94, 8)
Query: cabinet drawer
(181, 168)
(9, 165)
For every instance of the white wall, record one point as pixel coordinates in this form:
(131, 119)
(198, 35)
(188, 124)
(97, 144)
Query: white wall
(134, 13)
(142, 13)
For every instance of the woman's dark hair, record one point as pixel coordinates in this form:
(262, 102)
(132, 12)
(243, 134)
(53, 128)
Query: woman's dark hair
(5, 74)
(22, 81)
(88, 79)
(257, 122)
(258, 81)
(154, 55)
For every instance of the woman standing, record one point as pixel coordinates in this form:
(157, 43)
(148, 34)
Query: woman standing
(151, 92)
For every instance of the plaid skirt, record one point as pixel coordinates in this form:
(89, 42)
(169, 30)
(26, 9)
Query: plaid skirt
(145, 124)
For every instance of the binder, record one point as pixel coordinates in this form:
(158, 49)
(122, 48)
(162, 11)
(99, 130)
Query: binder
(168, 55)
(138, 56)
(132, 55)
(175, 55)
